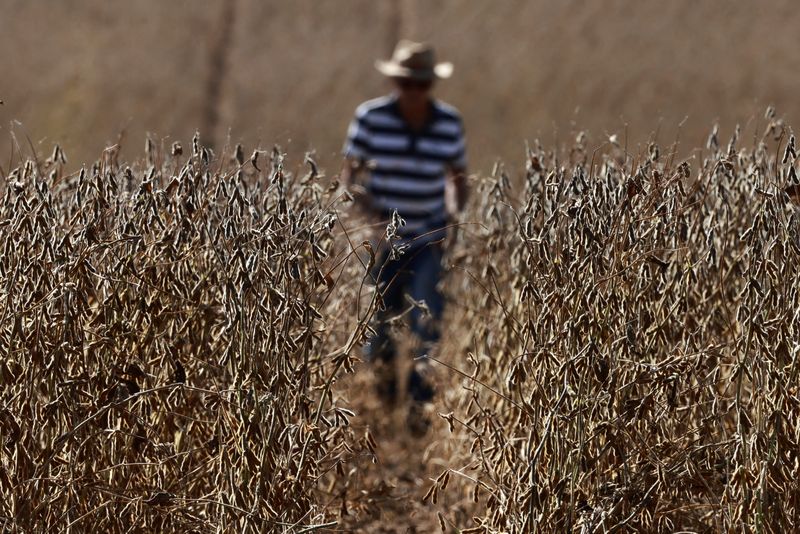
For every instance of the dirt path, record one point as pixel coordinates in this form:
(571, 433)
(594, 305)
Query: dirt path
(389, 490)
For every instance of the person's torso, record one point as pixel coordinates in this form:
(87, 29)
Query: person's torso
(408, 166)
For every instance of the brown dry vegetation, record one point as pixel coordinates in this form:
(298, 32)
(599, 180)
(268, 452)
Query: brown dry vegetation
(168, 348)
(633, 351)
(180, 332)
(180, 349)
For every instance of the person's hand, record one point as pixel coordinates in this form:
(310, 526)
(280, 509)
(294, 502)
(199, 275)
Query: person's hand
(362, 209)
(349, 185)
(362, 203)
(360, 196)
(356, 194)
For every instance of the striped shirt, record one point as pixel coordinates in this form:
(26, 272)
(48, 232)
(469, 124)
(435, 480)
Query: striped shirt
(408, 167)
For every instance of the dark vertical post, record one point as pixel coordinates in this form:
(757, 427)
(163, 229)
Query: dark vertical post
(217, 70)
(394, 23)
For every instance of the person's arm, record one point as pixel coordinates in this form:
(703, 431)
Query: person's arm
(457, 190)
(458, 175)
(456, 195)
(346, 174)
(460, 188)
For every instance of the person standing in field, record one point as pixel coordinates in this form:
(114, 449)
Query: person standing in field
(410, 152)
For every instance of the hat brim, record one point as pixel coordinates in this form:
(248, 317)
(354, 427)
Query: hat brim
(393, 70)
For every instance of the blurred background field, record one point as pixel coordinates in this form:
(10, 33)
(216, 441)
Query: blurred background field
(79, 72)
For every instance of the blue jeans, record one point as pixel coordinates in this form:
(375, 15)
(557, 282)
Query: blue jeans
(417, 274)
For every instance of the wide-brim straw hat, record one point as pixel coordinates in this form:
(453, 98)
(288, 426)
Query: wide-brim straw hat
(416, 61)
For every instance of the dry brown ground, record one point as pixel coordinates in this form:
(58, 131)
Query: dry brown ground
(390, 489)
(80, 71)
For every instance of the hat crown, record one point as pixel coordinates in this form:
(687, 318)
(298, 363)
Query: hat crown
(416, 56)
(414, 60)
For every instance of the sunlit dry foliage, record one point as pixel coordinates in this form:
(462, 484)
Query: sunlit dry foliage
(621, 352)
(633, 352)
(168, 345)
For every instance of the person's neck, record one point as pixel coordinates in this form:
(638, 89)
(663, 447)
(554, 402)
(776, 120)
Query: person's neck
(415, 114)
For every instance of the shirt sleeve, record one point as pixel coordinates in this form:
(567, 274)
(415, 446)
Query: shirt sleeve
(357, 145)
